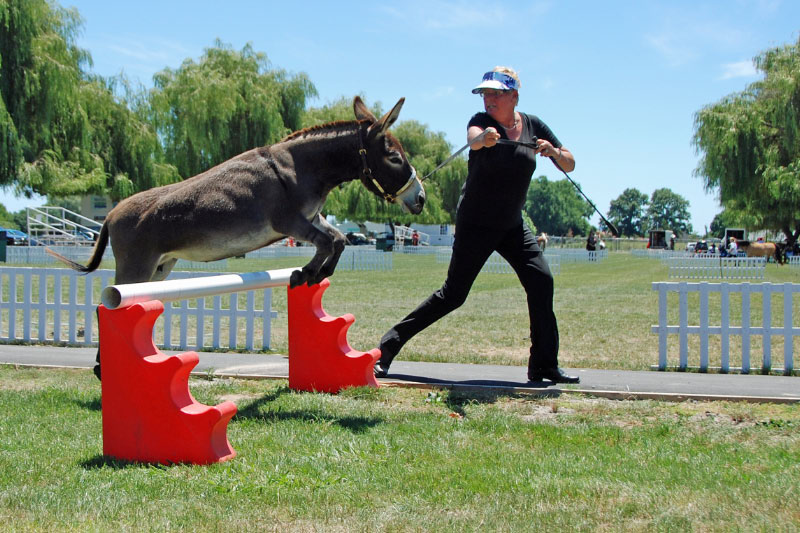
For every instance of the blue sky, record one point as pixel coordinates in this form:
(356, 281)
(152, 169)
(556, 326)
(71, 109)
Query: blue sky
(619, 82)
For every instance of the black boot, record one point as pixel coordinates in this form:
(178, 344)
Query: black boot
(556, 375)
(381, 368)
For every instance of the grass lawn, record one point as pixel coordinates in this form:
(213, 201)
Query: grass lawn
(396, 459)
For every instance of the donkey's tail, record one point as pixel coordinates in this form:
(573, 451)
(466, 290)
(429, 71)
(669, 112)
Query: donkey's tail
(97, 255)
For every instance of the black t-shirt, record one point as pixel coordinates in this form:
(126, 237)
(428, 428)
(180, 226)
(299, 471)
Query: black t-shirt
(498, 178)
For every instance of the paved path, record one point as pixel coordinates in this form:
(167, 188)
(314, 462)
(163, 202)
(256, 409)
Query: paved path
(609, 383)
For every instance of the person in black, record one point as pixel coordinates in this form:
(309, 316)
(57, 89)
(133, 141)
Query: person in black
(489, 218)
(591, 242)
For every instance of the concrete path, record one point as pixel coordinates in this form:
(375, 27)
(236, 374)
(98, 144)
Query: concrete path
(607, 383)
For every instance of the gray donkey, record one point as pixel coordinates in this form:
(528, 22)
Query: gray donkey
(258, 198)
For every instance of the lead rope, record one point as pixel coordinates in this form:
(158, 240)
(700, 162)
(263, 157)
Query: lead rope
(532, 145)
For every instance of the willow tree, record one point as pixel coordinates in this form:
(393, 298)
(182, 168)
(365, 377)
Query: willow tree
(224, 104)
(750, 146)
(43, 131)
(64, 131)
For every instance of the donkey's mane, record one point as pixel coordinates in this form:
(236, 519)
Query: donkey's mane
(319, 129)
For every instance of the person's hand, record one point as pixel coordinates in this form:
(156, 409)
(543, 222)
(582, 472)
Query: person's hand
(491, 138)
(488, 137)
(546, 149)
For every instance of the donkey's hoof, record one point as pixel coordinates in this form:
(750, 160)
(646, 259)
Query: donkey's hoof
(297, 278)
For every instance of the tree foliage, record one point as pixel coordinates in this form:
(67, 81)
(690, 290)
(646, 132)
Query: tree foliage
(64, 131)
(725, 219)
(668, 210)
(557, 208)
(627, 212)
(750, 145)
(226, 103)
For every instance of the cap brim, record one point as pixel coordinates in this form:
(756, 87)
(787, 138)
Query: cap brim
(490, 84)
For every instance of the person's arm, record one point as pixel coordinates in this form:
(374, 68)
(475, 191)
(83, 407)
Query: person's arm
(489, 140)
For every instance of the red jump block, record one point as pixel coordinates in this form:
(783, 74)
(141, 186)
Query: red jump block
(149, 415)
(320, 358)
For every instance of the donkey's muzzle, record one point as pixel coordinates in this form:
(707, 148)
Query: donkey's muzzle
(413, 197)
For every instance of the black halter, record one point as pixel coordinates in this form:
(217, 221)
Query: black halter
(367, 177)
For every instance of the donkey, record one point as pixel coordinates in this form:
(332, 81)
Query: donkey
(257, 198)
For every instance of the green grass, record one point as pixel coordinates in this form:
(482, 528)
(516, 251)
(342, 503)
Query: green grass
(396, 459)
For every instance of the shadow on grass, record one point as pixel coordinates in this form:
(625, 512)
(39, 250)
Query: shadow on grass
(485, 391)
(459, 397)
(262, 410)
(104, 461)
(94, 404)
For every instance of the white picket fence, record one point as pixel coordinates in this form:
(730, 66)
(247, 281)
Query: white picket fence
(57, 306)
(786, 331)
(353, 257)
(705, 267)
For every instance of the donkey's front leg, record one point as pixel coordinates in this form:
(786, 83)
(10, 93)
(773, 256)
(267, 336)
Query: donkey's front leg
(329, 243)
(339, 241)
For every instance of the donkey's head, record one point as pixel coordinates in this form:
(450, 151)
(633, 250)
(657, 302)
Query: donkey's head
(386, 170)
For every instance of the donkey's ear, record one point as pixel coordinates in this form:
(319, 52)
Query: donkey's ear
(362, 111)
(387, 120)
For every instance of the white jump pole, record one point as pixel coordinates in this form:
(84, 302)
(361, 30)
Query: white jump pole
(118, 296)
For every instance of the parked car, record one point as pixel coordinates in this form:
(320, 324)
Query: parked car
(701, 247)
(15, 237)
(690, 246)
(357, 239)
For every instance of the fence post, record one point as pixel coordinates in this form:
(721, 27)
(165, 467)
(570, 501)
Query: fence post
(683, 322)
(766, 335)
(725, 320)
(788, 358)
(745, 328)
(703, 288)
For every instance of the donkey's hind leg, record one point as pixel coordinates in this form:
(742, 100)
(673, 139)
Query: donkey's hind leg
(163, 269)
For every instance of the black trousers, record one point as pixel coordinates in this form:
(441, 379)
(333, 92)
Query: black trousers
(471, 249)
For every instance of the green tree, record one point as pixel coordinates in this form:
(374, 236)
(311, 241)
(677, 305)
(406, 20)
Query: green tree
(42, 128)
(750, 145)
(228, 102)
(725, 219)
(64, 131)
(627, 212)
(668, 210)
(556, 207)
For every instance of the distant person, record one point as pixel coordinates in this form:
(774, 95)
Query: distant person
(733, 248)
(489, 219)
(415, 238)
(591, 241)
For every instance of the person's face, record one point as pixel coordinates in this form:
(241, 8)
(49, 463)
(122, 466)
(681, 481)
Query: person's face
(499, 102)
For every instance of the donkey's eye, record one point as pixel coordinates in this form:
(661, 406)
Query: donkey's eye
(396, 159)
